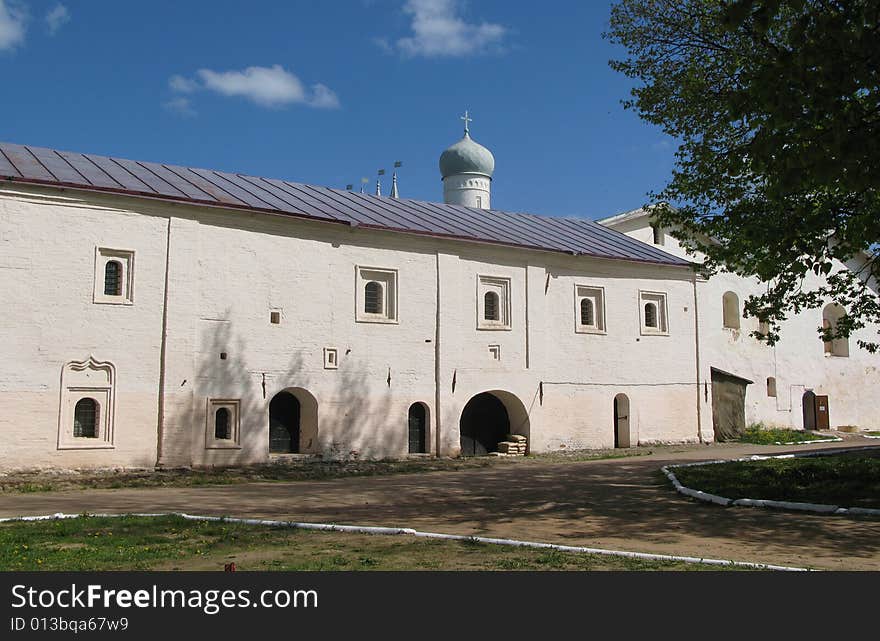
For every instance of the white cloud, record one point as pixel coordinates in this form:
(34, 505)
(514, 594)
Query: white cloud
(12, 25)
(439, 31)
(323, 97)
(266, 86)
(181, 106)
(57, 18)
(182, 85)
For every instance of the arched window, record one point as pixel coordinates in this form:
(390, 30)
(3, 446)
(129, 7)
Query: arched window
(113, 278)
(373, 298)
(771, 386)
(491, 307)
(85, 418)
(730, 303)
(221, 423)
(831, 315)
(651, 315)
(588, 317)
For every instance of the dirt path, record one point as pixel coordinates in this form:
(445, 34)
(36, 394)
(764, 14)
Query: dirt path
(618, 503)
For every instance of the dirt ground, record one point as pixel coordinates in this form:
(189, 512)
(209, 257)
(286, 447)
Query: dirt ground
(616, 504)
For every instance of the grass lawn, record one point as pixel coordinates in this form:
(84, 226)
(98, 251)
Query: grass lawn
(770, 436)
(846, 480)
(873, 433)
(288, 470)
(173, 543)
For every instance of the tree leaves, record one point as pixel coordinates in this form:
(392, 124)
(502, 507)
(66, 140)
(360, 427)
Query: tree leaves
(776, 104)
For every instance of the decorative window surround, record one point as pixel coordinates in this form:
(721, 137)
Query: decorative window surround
(595, 297)
(380, 297)
(658, 301)
(125, 275)
(234, 440)
(331, 358)
(500, 287)
(92, 379)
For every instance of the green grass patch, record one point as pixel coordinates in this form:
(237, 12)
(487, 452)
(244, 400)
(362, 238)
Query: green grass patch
(173, 543)
(760, 435)
(846, 480)
(283, 471)
(873, 433)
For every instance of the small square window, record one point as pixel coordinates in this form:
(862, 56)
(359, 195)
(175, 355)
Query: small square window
(652, 308)
(495, 352)
(589, 309)
(331, 358)
(376, 297)
(222, 424)
(275, 317)
(493, 302)
(114, 276)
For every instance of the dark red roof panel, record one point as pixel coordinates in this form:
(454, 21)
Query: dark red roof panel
(206, 187)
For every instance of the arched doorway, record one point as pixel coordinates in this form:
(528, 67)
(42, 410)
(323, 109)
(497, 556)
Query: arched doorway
(621, 421)
(418, 428)
(484, 423)
(284, 424)
(809, 404)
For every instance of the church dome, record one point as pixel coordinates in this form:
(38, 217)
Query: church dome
(467, 157)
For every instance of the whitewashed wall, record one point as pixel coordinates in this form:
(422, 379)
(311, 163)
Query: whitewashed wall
(798, 361)
(228, 270)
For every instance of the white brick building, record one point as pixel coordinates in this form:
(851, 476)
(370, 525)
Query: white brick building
(173, 316)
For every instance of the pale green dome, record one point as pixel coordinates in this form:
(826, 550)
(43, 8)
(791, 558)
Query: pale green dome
(467, 157)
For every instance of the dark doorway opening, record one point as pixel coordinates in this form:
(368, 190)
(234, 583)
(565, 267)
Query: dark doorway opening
(809, 404)
(484, 424)
(284, 424)
(418, 429)
(621, 421)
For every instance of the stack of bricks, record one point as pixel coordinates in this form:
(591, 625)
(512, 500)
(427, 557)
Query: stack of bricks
(515, 445)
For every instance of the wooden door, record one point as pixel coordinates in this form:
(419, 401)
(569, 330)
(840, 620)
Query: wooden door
(823, 419)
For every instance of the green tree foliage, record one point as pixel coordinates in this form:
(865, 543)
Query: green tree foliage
(776, 106)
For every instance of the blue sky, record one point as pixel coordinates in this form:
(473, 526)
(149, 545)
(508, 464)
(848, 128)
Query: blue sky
(328, 92)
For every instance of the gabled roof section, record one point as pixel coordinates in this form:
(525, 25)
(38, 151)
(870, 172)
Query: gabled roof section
(574, 236)
(634, 214)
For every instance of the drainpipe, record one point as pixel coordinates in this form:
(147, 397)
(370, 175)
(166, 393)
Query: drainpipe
(437, 365)
(160, 431)
(697, 357)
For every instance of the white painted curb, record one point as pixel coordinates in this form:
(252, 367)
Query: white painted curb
(818, 508)
(392, 531)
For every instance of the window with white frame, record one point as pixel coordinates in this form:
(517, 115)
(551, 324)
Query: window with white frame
(652, 307)
(85, 417)
(376, 295)
(222, 429)
(493, 302)
(589, 309)
(114, 276)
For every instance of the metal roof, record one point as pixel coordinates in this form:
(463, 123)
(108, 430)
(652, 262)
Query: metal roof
(575, 236)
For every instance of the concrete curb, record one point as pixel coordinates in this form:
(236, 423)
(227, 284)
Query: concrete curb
(819, 440)
(392, 531)
(816, 508)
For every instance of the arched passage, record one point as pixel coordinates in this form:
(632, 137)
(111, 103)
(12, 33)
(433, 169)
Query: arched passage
(621, 421)
(488, 418)
(293, 422)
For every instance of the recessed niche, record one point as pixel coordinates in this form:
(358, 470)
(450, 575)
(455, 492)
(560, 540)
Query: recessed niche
(331, 358)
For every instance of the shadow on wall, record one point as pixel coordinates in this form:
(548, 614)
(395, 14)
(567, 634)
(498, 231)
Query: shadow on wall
(347, 419)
